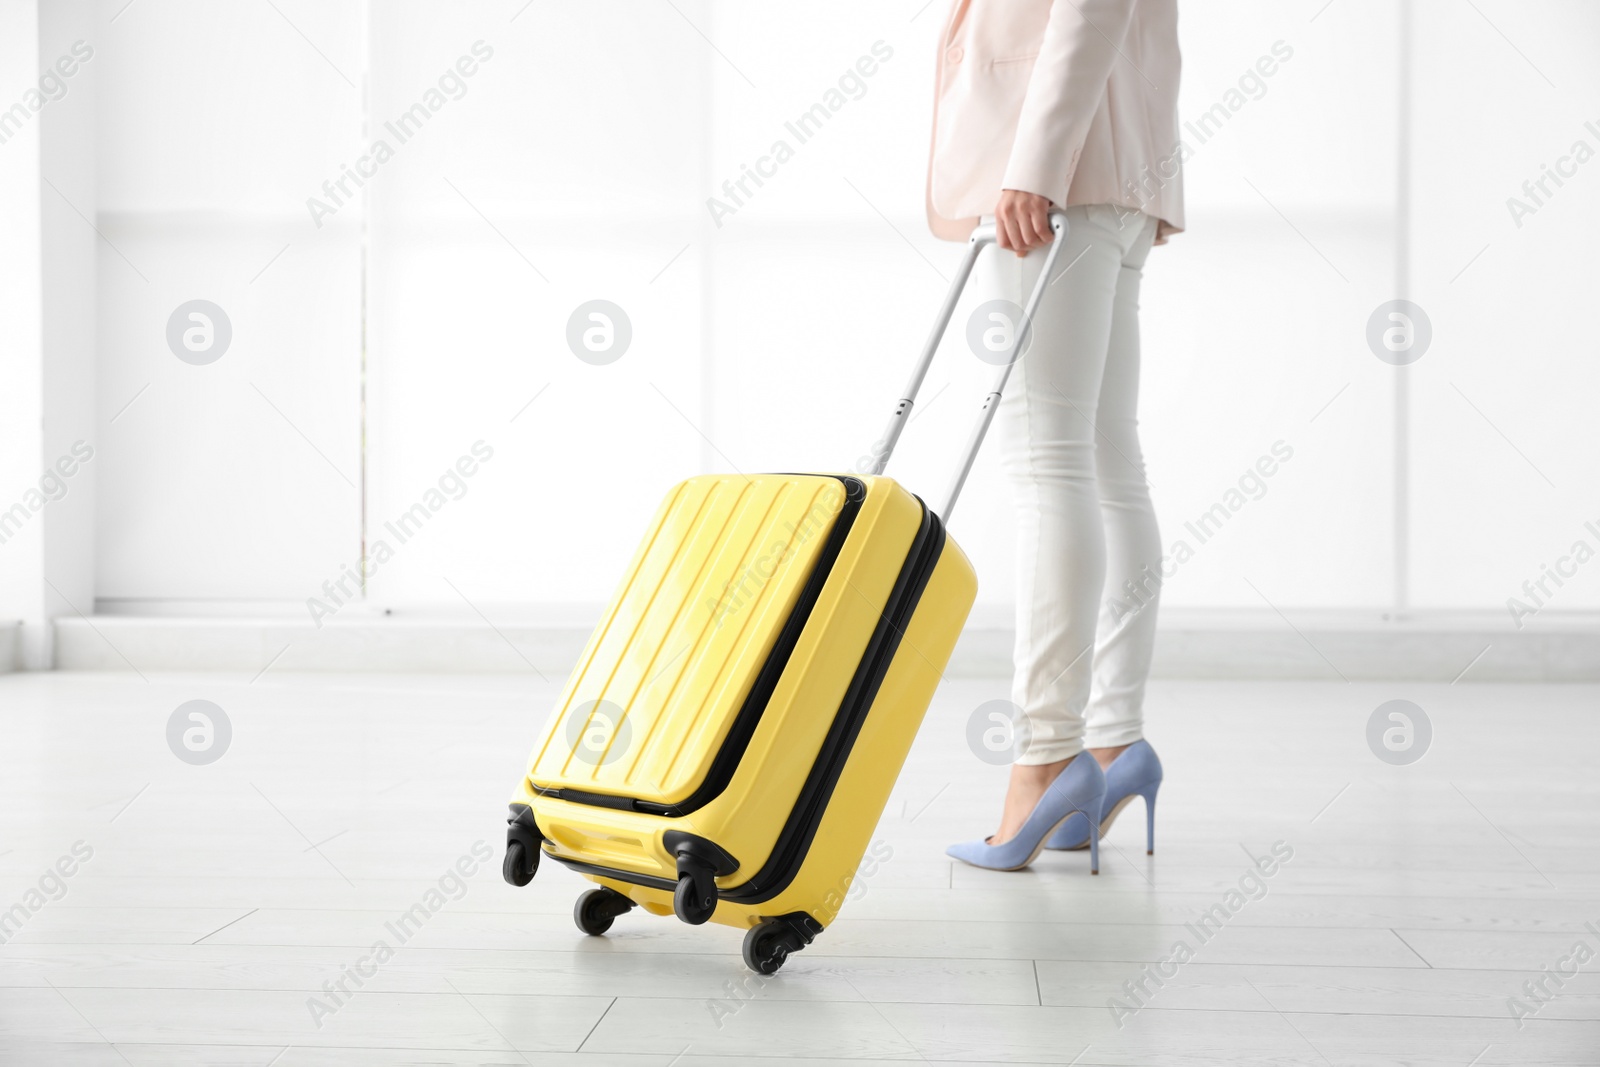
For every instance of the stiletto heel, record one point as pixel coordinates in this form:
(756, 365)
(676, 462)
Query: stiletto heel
(1136, 772)
(1150, 820)
(1094, 848)
(1077, 791)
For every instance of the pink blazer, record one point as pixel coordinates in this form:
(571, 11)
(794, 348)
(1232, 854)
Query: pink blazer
(1075, 100)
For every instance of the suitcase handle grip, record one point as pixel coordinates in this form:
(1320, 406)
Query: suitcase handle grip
(981, 237)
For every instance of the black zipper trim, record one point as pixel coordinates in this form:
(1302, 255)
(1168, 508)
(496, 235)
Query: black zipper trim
(726, 762)
(789, 853)
(794, 841)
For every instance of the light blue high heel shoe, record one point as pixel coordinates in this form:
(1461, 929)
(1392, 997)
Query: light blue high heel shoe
(1136, 772)
(1078, 789)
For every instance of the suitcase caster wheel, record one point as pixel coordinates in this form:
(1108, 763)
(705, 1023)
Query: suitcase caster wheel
(695, 898)
(596, 909)
(520, 864)
(767, 946)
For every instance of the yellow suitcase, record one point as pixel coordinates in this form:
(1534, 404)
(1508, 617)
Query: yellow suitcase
(727, 741)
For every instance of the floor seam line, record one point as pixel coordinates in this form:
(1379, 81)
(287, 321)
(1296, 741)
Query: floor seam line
(596, 1025)
(1407, 944)
(225, 925)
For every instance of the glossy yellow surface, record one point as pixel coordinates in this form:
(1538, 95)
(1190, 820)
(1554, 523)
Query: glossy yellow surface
(685, 635)
(746, 818)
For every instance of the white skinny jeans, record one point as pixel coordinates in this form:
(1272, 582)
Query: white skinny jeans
(1085, 526)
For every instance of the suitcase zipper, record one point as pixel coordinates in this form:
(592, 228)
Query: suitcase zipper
(726, 762)
(794, 841)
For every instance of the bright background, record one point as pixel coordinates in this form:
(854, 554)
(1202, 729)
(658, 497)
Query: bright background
(430, 311)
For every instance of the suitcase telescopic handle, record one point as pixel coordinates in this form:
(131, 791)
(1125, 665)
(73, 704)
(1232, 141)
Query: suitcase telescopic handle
(981, 237)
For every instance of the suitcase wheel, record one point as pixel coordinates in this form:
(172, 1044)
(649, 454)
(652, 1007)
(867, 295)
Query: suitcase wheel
(696, 896)
(520, 863)
(522, 846)
(768, 944)
(597, 908)
(700, 864)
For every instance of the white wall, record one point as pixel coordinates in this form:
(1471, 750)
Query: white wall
(239, 479)
(576, 165)
(21, 362)
(555, 178)
(814, 302)
(47, 265)
(69, 261)
(1505, 489)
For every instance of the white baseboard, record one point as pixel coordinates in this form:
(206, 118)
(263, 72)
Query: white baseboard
(10, 639)
(1333, 645)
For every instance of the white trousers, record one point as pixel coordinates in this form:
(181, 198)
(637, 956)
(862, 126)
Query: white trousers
(1085, 526)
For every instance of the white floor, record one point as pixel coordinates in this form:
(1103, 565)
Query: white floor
(219, 899)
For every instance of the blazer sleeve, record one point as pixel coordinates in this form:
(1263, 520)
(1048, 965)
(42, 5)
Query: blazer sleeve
(1081, 42)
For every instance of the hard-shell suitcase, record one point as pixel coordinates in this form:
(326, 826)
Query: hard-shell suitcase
(729, 737)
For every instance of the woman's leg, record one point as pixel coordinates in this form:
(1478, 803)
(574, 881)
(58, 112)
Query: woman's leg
(1126, 636)
(1048, 441)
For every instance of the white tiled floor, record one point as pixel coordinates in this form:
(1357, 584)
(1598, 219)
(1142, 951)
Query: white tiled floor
(219, 899)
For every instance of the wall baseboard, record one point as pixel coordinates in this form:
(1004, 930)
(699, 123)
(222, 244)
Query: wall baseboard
(1233, 644)
(10, 640)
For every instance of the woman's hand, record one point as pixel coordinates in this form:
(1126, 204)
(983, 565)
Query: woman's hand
(1022, 221)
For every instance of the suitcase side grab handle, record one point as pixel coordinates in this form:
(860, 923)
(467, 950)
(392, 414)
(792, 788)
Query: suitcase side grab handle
(981, 237)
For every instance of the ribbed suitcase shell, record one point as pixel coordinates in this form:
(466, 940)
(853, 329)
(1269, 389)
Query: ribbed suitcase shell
(678, 651)
(632, 750)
